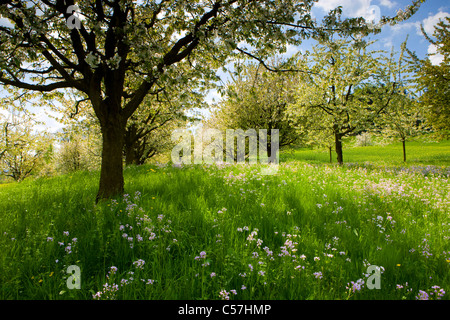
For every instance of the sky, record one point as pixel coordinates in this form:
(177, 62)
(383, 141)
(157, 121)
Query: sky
(391, 36)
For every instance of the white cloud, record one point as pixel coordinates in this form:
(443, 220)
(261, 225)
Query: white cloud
(430, 22)
(435, 58)
(388, 3)
(350, 8)
(355, 8)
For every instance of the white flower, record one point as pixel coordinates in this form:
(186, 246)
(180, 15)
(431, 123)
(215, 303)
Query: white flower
(92, 60)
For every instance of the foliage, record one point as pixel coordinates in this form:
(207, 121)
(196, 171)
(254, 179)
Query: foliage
(23, 152)
(349, 89)
(257, 99)
(433, 79)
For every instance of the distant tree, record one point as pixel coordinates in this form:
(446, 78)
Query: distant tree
(148, 130)
(404, 115)
(337, 96)
(403, 120)
(23, 151)
(434, 79)
(257, 99)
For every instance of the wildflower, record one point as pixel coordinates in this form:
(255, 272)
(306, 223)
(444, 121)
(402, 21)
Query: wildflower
(316, 258)
(318, 275)
(74, 240)
(233, 291)
(49, 239)
(243, 287)
(251, 267)
(355, 286)
(97, 295)
(224, 295)
(139, 264)
(261, 273)
(438, 291)
(66, 233)
(212, 275)
(422, 295)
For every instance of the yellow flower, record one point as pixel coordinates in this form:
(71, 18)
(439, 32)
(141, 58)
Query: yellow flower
(51, 273)
(153, 198)
(398, 265)
(40, 281)
(448, 260)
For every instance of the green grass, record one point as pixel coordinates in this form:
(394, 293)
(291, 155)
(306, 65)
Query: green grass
(417, 153)
(305, 233)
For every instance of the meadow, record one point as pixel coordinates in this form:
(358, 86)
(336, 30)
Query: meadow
(228, 232)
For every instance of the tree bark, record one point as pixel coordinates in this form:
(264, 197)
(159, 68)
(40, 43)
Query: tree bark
(131, 145)
(338, 146)
(111, 172)
(404, 150)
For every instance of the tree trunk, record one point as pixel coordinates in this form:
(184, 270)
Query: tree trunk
(111, 173)
(338, 147)
(131, 154)
(404, 150)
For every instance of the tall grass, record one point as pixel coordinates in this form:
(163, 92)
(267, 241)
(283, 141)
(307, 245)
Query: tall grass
(228, 232)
